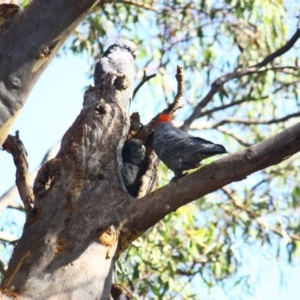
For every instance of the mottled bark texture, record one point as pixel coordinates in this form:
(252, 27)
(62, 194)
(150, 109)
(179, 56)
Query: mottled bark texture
(70, 239)
(29, 39)
(15, 147)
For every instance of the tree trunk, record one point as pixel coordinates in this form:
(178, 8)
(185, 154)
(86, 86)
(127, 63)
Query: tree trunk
(29, 40)
(70, 239)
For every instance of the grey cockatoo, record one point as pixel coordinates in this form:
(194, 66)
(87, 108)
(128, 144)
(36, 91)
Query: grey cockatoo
(179, 150)
(118, 57)
(133, 154)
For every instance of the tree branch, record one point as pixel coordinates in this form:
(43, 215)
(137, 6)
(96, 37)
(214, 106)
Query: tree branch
(144, 79)
(218, 84)
(233, 103)
(15, 147)
(175, 105)
(44, 26)
(6, 237)
(245, 122)
(282, 50)
(150, 209)
(235, 136)
(146, 130)
(6, 200)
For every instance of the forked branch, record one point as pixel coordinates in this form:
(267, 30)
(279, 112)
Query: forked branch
(146, 130)
(218, 84)
(144, 80)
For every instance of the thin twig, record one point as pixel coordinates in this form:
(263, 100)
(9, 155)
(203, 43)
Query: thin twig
(180, 87)
(243, 100)
(146, 130)
(234, 136)
(237, 102)
(7, 237)
(246, 122)
(282, 50)
(15, 147)
(217, 85)
(144, 79)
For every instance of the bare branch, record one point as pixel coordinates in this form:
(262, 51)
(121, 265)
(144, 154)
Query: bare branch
(16, 206)
(150, 209)
(282, 50)
(6, 200)
(218, 84)
(235, 136)
(6, 237)
(233, 103)
(15, 147)
(180, 87)
(144, 79)
(245, 99)
(246, 122)
(146, 130)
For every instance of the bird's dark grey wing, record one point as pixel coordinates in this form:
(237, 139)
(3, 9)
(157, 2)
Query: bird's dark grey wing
(175, 142)
(179, 150)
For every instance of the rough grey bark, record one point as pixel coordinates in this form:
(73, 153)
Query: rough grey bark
(29, 40)
(15, 147)
(83, 217)
(70, 239)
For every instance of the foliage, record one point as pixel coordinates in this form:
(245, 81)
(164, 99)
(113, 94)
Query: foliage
(202, 242)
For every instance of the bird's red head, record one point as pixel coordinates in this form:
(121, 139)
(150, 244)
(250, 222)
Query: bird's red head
(163, 118)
